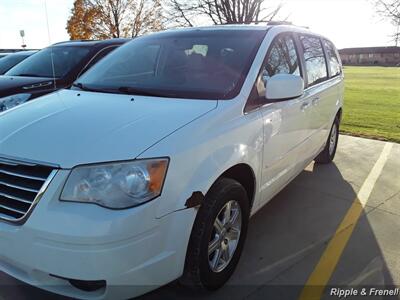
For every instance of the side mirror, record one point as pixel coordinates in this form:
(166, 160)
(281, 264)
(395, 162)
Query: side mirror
(284, 86)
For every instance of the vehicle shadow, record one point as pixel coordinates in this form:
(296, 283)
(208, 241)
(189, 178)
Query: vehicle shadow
(287, 237)
(285, 241)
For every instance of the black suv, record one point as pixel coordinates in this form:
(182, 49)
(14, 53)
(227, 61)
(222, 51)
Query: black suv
(51, 69)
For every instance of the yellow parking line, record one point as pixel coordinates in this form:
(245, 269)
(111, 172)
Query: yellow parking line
(319, 278)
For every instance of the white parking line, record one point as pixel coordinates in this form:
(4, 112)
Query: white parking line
(323, 271)
(373, 176)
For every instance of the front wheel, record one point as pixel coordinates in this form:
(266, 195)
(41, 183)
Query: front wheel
(218, 235)
(327, 155)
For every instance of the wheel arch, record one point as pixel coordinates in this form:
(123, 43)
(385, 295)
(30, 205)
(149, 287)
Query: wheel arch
(244, 174)
(339, 114)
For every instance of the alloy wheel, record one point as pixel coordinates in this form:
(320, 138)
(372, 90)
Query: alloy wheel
(225, 236)
(333, 139)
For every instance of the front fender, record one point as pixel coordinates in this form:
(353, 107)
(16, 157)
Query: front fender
(203, 150)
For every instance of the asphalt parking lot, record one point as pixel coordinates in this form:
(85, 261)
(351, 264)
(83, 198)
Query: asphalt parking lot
(334, 226)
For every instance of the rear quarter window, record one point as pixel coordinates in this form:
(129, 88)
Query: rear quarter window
(333, 60)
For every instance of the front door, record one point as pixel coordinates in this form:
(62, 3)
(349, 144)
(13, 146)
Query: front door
(286, 123)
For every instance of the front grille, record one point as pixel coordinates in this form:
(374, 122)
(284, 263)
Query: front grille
(20, 185)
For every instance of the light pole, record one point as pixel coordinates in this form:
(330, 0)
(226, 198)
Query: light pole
(22, 34)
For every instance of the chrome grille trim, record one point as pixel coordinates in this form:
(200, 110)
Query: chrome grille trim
(22, 185)
(15, 186)
(23, 175)
(6, 159)
(14, 198)
(12, 209)
(12, 162)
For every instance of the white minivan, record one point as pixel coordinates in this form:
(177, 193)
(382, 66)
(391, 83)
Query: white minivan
(149, 168)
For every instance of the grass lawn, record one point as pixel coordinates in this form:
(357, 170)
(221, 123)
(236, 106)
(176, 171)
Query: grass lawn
(372, 102)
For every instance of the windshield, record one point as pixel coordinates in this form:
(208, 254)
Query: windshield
(40, 64)
(10, 61)
(198, 64)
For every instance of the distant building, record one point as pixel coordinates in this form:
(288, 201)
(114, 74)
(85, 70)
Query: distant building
(380, 56)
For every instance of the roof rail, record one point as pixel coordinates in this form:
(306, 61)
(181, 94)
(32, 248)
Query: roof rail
(272, 23)
(73, 41)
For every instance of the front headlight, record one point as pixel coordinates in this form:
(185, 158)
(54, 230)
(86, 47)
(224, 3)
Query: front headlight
(13, 100)
(116, 185)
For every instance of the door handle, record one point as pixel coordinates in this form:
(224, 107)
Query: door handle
(315, 101)
(304, 106)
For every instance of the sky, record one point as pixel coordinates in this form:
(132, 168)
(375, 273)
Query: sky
(348, 23)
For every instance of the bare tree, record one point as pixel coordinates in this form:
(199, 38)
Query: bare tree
(148, 18)
(186, 12)
(390, 9)
(116, 18)
(113, 15)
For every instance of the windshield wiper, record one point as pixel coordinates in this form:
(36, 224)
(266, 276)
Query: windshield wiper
(136, 91)
(85, 88)
(28, 75)
(123, 90)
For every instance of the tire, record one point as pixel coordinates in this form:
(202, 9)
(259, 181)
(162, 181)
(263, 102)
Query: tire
(327, 155)
(201, 269)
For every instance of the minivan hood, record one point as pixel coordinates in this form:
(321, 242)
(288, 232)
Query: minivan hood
(70, 128)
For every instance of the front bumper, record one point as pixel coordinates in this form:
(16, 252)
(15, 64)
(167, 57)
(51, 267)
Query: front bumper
(132, 250)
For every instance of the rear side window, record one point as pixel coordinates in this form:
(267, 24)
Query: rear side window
(334, 64)
(281, 59)
(314, 59)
